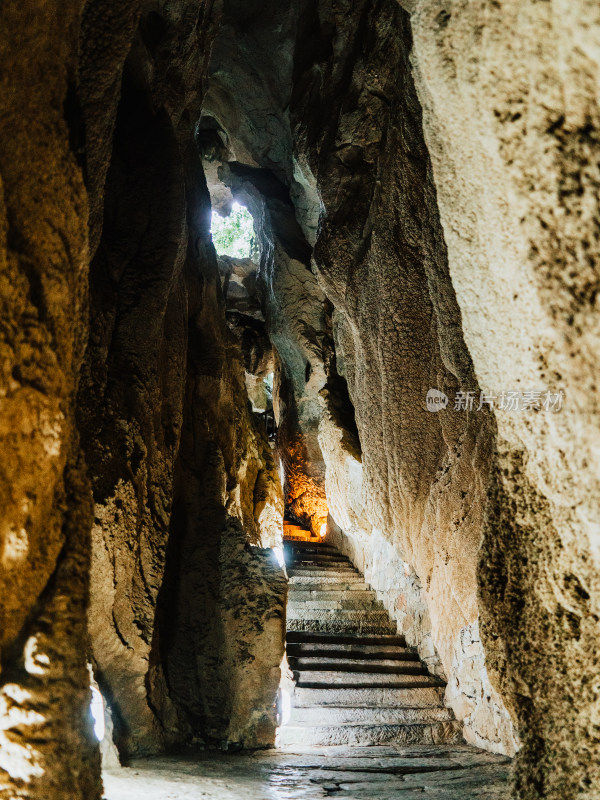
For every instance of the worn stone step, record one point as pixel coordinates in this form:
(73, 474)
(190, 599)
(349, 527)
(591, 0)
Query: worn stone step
(369, 735)
(414, 696)
(317, 558)
(363, 652)
(326, 566)
(324, 638)
(353, 581)
(340, 621)
(340, 604)
(318, 554)
(300, 594)
(350, 614)
(324, 625)
(341, 572)
(415, 676)
(391, 715)
(299, 544)
(321, 545)
(381, 666)
(327, 592)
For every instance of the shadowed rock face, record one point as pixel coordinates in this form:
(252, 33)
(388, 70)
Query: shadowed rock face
(45, 742)
(172, 453)
(172, 449)
(424, 183)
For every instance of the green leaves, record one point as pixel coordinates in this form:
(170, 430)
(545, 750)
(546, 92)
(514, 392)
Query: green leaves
(233, 235)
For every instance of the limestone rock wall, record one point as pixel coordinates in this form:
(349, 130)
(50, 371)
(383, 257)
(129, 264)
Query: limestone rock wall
(382, 261)
(257, 42)
(510, 111)
(424, 180)
(171, 446)
(113, 329)
(46, 745)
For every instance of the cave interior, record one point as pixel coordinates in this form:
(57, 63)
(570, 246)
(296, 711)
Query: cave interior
(299, 415)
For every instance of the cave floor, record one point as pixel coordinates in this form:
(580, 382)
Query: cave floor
(454, 772)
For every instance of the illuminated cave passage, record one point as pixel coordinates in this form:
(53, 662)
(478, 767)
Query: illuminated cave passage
(299, 409)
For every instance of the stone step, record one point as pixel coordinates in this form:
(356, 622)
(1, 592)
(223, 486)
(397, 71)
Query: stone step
(333, 678)
(311, 569)
(308, 555)
(370, 735)
(350, 582)
(364, 652)
(314, 637)
(335, 605)
(356, 683)
(300, 594)
(339, 621)
(350, 614)
(302, 544)
(380, 666)
(319, 565)
(391, 715)
(415, 696)
(331, 576)
(324, 558)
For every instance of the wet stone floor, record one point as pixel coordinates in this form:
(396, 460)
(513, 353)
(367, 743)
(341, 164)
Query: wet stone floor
(456, 772)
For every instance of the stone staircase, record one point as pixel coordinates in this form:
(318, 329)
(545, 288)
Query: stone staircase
(356, 682)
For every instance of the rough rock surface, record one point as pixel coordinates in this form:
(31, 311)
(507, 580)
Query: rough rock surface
(259, 171)
(46, 744)
(512, 124)
(424, 180)
(171, 446)
(417, 479)
(223, 634)
(160, 399)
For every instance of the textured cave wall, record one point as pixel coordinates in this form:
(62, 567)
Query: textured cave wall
(222, 608)
(172, 450)
(418, 482)
(510, 96)
(46, 742)
(297, 322)
(248, 90)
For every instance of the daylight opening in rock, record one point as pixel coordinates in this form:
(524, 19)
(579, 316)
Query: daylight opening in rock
(232, 235)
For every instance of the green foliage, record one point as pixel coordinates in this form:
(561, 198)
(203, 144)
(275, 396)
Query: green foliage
(233, 235)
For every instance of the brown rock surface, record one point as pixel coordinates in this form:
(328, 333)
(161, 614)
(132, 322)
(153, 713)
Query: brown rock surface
(510, 97)
(162, 381)
(411, 492)
(45, 737)
(418, 480)
(172, 449)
